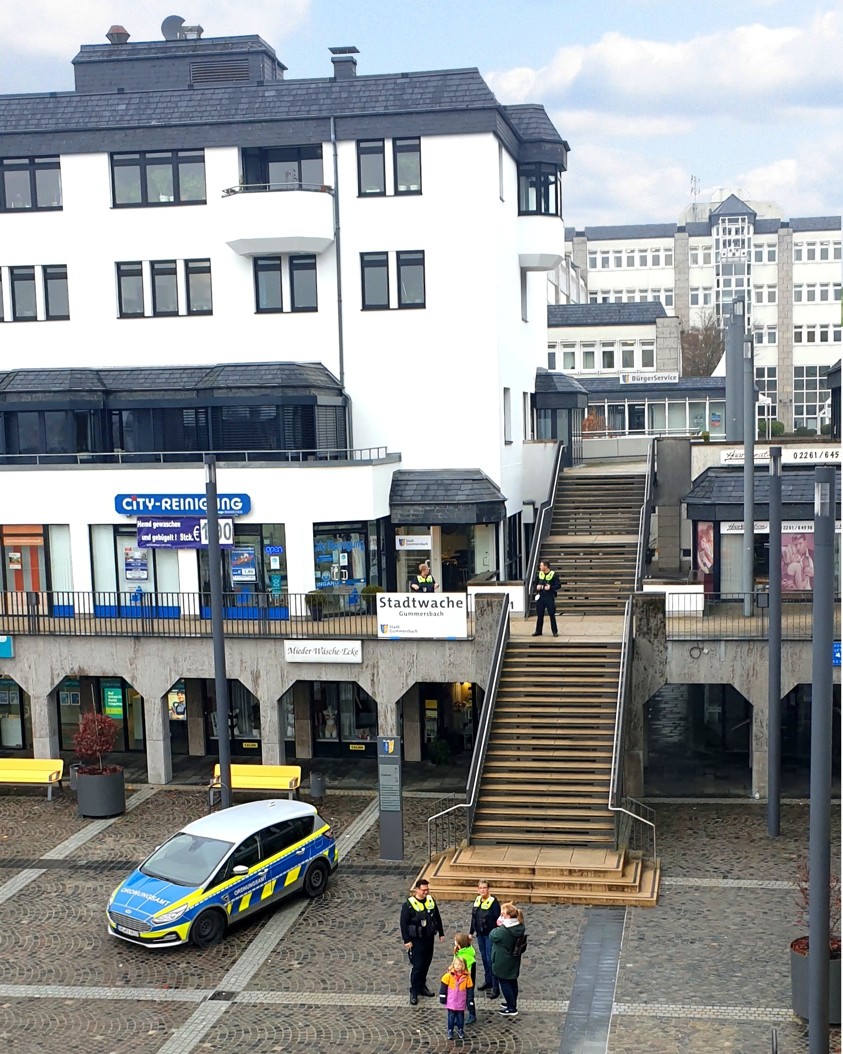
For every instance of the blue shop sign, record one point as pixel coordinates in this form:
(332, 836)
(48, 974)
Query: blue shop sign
(7, 648)
(180, 504)
(835, 652)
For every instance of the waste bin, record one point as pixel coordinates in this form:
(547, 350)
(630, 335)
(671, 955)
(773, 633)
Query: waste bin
(317, 785)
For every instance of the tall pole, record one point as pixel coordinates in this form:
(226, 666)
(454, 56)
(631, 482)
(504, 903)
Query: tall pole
(733, 340)
(774, 682)
(220, 680)
(819, 853)
(748, 473)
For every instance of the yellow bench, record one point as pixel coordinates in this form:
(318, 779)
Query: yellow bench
(258, 778)
(47, 771)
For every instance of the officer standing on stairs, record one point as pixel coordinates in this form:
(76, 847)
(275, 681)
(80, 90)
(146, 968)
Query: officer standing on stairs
(545, 589)
(420, 924)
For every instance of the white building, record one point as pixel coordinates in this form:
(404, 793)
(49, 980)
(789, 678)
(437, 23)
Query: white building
(338, 286)
(788, 271)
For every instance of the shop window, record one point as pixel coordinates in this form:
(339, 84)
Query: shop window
(339, 553)
(30, 183)
(12, 731)
(24, 563)
(163, 177)
(371, 172)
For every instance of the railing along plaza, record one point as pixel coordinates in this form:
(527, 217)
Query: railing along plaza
(713, 616)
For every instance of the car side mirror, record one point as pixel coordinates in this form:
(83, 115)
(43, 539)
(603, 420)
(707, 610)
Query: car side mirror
(239, 869)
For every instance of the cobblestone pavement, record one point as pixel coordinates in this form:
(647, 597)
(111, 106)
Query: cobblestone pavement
(707, 970)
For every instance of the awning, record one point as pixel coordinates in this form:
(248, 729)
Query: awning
(447, 495)
(717, 494)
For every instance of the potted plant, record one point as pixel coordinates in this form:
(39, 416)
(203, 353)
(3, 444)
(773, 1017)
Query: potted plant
(100, 788)
(799, 948)
(370, 592)
(316, 604)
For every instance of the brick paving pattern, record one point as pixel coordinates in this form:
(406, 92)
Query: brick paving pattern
(707, 970)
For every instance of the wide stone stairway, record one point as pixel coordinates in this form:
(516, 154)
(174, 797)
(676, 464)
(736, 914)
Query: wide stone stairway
(542, 830)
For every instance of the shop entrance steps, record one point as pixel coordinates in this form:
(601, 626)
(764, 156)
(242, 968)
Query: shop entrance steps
(546, 875)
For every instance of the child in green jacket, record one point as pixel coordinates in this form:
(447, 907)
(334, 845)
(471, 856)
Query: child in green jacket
(463, 950)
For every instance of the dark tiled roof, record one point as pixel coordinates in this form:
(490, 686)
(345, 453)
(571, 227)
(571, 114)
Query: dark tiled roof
(698, 229)
(547, 381)
(604, 314)
(446, 486)
(633, 230)
(766, 226)
(733, 206)
(173, 378)
(724, 487)
(816, 223)
(459, 89)
(532, 123)
(685, 387)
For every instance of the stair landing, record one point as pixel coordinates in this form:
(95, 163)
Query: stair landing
(547, 875)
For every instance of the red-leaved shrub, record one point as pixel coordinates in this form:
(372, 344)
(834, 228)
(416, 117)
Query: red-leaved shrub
(96, 737)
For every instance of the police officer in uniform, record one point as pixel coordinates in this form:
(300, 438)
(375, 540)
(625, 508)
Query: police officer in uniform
(420, 925)
(423, 582)
(545, 589)
(485, 913)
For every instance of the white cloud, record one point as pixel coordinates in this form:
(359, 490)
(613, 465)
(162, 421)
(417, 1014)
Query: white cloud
(592, 123)
(43, 27)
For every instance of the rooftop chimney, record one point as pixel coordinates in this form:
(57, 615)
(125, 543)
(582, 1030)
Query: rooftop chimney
(345, 64)
(117, 35)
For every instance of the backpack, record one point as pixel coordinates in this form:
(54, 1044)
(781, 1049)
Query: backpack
(520, 946)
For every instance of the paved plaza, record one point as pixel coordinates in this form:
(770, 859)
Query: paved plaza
(707, 970)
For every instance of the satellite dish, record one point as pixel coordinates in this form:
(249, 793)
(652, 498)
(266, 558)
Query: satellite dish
(170, 27)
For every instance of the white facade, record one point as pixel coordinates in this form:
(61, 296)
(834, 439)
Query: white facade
(789, 272)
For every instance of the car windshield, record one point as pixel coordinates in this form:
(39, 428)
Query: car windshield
(186, 859)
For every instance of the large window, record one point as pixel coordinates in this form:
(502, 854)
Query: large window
(282, 168)
(130, 290)
(407, 163)
(303, 283)
(371, 173)
(165, 293)
(24, 307)
(30, 183)
(375, 277)
(410, 279)
(810, 395)
(163, 177)
(538, 190)
(56, 303)
(197, 280)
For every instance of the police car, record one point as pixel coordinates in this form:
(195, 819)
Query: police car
(221, 869)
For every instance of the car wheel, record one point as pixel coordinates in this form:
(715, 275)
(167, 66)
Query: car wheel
(208, 929)
(316, 879)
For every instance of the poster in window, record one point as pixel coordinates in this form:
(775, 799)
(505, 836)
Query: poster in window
(797, 563)
(176, 705)
(112, 699)
(243, 565)
(15, 561)
(135, 564)
(705, 547)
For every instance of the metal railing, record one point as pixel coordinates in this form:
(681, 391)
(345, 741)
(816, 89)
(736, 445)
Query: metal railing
(541, 529)
(635, 826)
(459, 817)
(293, 616)
(139, 457)
(720, 616)
(640, 433)
(644, 516)
(262, 188)
(447, 827)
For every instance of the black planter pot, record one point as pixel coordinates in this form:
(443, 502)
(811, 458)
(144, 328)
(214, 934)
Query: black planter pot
(316, 613)
(100, 795)
(799, 987)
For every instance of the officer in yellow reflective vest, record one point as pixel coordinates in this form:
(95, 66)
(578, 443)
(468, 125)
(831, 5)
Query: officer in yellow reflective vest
(545, 589)
(423, 582)
(485, 913)
(420, 924)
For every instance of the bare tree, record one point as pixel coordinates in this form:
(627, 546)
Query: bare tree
(702, 346)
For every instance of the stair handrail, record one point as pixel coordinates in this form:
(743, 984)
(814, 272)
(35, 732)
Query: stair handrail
(484, 725)
(644, 516)
(618, 804)
(541, 528)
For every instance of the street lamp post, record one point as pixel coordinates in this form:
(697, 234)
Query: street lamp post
(774, 683)
(735, 328)
(220, 680)
(819, 853)
(748, 473)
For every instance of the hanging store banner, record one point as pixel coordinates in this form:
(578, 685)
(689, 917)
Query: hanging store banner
(422, 616)
(181, 532)
(791, 455)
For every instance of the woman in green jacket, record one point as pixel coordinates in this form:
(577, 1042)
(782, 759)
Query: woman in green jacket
(506, 965)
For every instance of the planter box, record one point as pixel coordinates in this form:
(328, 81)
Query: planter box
(100, 795)
(799, 987)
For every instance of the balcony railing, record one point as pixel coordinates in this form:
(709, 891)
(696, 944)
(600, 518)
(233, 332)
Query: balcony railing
(358, 455)
(340, 614)
(259, 188)
(719, 616)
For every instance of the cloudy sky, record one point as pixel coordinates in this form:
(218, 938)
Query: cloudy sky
(654, 96)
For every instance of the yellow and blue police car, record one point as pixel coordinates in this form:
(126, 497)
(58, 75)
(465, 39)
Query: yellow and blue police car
(220, 869)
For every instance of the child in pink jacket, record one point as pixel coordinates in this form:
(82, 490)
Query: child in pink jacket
(456, 993)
